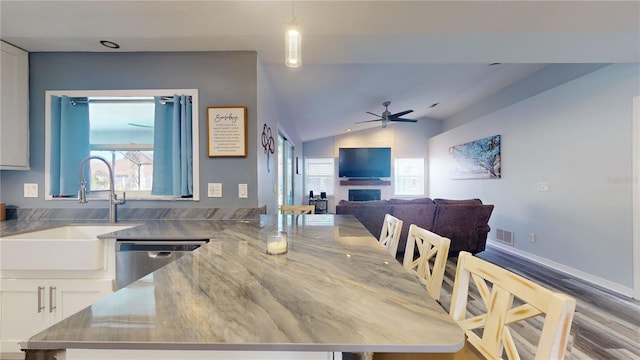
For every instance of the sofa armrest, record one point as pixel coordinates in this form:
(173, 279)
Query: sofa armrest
(459, 223)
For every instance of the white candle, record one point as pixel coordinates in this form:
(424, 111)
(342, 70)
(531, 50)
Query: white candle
(277, 243)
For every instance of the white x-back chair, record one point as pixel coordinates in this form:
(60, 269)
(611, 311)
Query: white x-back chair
(390, 234)
(498, 288)
(507, 299)
(431, 262)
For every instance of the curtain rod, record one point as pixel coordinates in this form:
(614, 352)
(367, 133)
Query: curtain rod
(84, 100)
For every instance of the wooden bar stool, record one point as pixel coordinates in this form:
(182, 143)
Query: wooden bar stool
(296, 209)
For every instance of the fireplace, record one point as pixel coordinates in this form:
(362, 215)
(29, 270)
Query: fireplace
(364, 194)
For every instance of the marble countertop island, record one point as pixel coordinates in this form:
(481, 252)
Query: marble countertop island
(336, 289)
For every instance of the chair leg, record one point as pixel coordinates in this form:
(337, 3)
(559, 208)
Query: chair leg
(571, 351)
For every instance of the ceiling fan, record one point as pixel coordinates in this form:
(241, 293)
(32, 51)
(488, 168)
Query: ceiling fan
(388, 117)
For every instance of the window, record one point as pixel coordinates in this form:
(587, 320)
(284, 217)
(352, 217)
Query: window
(121, 131)
(409, 176)
(121, 126)
(319, 175)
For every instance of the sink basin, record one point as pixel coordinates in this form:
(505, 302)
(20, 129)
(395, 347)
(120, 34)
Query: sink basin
(70, 247)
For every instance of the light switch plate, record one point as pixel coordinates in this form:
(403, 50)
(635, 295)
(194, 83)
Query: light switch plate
(30, 190)
(243, 191)
(542, 186)
(214, 190)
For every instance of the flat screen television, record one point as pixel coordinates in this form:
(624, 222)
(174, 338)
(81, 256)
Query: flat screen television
(364, 163)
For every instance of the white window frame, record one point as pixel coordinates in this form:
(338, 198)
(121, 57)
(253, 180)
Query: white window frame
(413, 169)
(330, 179)
(127, 93)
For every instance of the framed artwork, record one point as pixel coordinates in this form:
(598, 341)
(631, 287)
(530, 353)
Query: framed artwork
(227, 131)
(479, 159)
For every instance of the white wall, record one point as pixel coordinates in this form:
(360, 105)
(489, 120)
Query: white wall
(405, 140)
(577, 137)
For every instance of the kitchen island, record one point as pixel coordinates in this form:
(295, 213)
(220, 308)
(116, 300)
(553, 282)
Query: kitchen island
(335, 290)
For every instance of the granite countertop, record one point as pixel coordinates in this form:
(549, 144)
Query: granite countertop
(139, 229)
(337, 289)
(14, 226)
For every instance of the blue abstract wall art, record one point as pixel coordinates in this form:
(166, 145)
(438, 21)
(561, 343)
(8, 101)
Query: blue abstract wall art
(479, 159)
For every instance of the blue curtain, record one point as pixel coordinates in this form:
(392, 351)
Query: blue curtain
(69, 144)
(172, 149)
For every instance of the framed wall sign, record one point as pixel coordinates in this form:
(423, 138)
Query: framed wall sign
(227, 131)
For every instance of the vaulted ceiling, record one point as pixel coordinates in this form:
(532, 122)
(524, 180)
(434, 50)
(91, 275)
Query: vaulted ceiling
(356, 54)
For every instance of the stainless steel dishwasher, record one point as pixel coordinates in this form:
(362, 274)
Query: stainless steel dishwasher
(137, 258)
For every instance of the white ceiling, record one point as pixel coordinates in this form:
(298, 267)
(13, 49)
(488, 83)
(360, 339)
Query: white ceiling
(356, 54)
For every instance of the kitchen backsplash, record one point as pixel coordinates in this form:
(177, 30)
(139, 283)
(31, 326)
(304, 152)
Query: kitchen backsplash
(137, 214)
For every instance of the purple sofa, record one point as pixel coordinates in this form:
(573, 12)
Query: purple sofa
(465, 222)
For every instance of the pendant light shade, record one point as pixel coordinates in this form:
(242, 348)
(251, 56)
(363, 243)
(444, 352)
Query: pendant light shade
(293, 45)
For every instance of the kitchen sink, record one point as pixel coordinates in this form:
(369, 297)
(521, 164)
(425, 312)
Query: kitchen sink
(69, 247)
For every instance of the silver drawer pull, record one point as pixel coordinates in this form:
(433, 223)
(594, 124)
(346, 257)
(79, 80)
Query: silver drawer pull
(53, 303)
(40, 298)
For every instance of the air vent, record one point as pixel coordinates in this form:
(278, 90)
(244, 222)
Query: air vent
(504, 236)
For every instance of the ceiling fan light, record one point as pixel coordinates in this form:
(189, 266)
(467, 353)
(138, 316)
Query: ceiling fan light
(293, 46)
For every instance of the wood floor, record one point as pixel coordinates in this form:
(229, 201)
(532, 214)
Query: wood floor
(605, 326)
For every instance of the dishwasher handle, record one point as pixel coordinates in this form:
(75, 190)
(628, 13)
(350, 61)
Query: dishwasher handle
(158, 246)
(160, 254)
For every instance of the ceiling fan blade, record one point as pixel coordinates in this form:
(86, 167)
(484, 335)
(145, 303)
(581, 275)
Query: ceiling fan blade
(403, 120)
(366, 121)
(373, 114)
(397, 115)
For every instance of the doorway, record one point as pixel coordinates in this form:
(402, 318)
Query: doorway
(285, 171)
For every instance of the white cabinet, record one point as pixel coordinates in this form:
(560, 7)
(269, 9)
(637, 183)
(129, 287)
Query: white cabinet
(114, 354)
(14, 108)
(29, 306)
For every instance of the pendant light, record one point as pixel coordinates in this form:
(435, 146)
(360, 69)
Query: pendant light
(293, 43)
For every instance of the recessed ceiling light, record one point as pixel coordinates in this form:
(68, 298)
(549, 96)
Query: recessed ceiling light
(348, 130)
(109, 44)
(433, 105)
(494, 64)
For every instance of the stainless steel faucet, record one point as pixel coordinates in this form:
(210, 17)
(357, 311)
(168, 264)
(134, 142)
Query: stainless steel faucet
(113, 197)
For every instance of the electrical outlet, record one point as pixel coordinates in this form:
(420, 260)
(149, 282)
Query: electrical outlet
(214, 190)
(30, 190)
(543, 186)
(532, 237)
(243, 191)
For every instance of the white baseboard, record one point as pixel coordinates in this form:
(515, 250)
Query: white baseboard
(609, 285)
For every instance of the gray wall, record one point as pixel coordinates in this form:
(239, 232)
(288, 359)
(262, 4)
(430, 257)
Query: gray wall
(577, 137)
(270, 113)
(222, 78)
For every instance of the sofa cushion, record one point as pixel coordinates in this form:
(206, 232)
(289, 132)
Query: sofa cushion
(458, 202)
(411, 201)
(363, 203)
